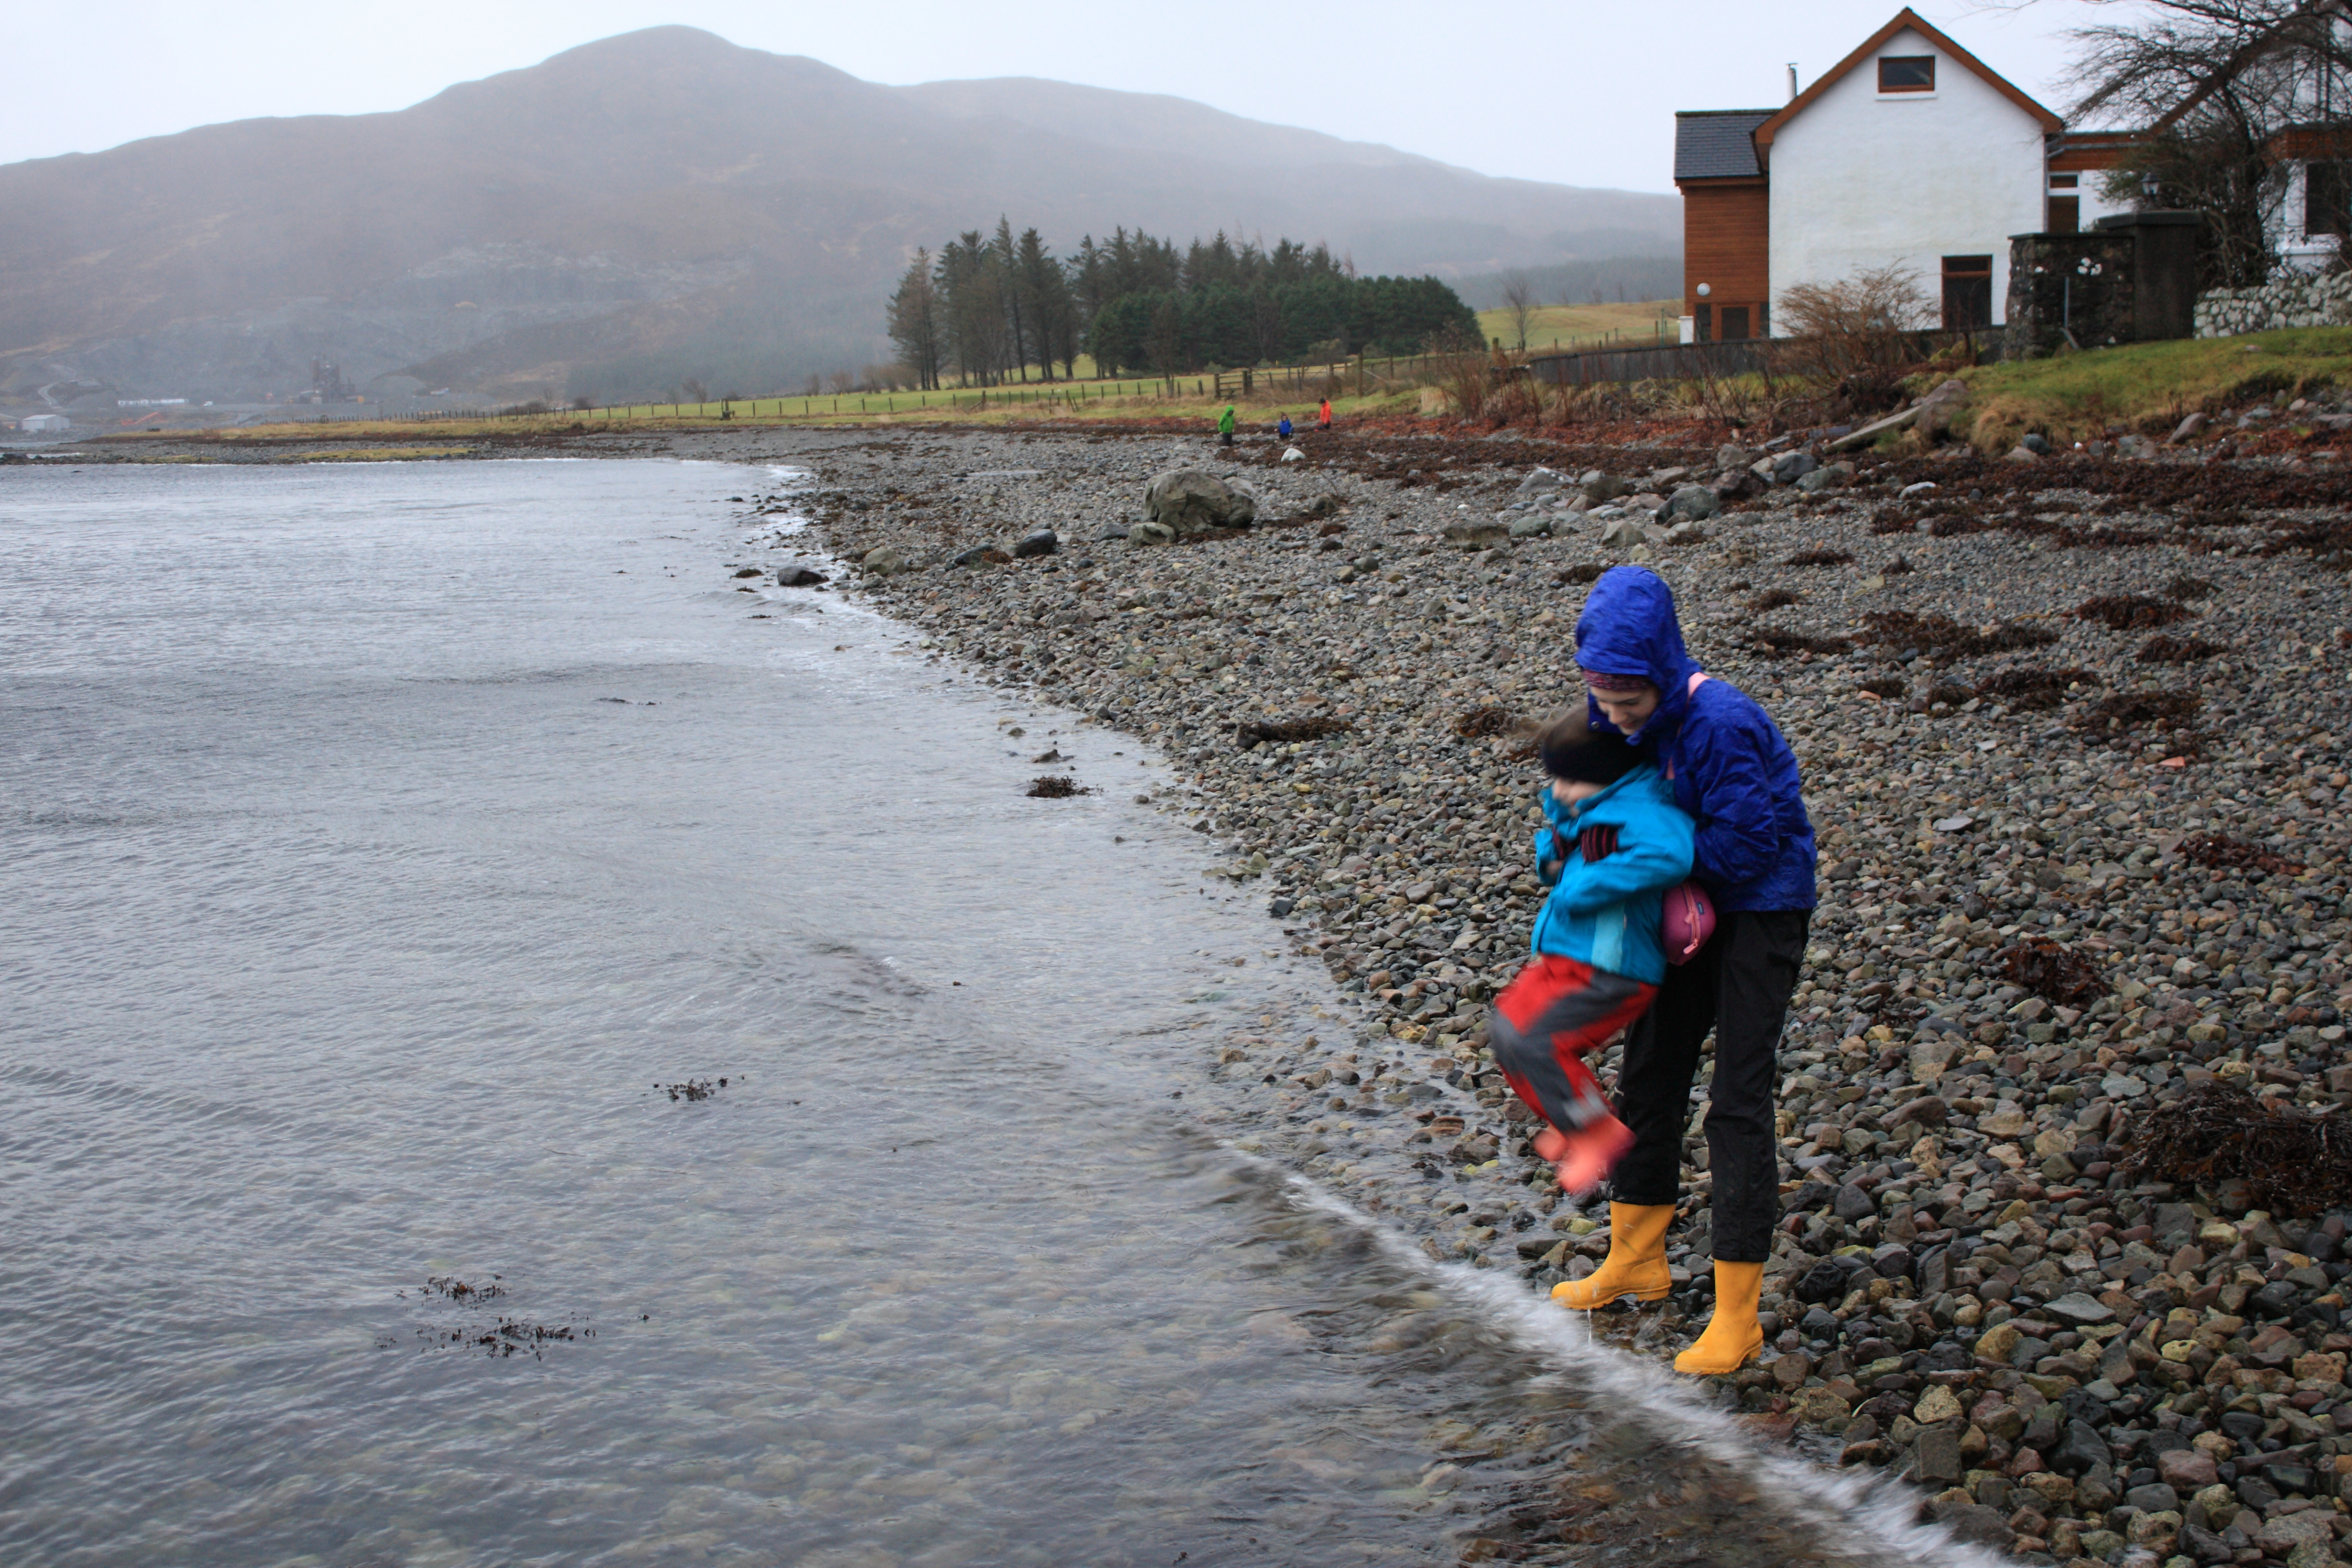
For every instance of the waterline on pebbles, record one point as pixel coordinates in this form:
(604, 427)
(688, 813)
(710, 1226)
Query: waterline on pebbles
(1877, 1516)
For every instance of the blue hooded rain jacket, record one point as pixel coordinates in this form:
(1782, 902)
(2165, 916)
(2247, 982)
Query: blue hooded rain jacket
(1727, 761)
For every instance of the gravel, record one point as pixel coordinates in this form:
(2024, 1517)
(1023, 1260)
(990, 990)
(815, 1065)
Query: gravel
(2060, 886)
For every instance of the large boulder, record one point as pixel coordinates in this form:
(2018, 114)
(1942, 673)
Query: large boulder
(1694, 502)
(1598, 486)
(1940, 412)
(1192, 501)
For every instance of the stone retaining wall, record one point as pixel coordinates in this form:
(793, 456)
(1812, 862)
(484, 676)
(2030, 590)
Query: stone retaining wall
(2304, 299)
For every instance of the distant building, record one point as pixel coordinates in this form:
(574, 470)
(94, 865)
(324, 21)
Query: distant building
(1908, 151)
(40, 422)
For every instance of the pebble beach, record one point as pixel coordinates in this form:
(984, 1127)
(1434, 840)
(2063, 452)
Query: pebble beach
(2071, 729)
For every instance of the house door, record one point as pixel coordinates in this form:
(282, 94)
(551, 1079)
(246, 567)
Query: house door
(1734, 323)
(1967, 292)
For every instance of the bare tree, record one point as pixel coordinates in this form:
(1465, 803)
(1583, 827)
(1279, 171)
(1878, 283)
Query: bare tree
(2217, 84)
(1520, 300)
(695, 392)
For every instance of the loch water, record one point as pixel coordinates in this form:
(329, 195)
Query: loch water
(383, 849)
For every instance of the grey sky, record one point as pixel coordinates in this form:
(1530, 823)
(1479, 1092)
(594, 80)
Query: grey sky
(1578, 91)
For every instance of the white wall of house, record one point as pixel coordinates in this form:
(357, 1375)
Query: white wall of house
(1862, 178)
(2095, 203)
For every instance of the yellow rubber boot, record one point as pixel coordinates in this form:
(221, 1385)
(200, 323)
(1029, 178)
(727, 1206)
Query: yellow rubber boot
(1732, 1335)
(1636, 1264)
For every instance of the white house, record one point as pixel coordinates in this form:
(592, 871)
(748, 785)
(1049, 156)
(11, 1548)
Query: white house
(1909, 151)
(37, 422)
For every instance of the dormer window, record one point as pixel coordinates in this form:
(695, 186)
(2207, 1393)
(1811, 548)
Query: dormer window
(1906, 73)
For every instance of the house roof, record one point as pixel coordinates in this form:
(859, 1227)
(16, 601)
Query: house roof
(1906, 17)
(1714, 143)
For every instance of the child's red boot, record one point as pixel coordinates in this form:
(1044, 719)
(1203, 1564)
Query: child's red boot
(1590, 1151)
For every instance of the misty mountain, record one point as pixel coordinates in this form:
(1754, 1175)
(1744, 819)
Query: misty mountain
(664, 204)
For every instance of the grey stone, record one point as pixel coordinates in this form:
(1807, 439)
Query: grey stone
(2080, 1310)
(1191, 501)
(1729, 456)
(1540, 482)
(1791, 467)
(1622, 532)
(1938, 1453)
(1043, 541)
(2153, 1498)
(1531, 528)
(1852, 1204)
(884, 561)
(1694, 502)
(1151, 533)
(2079, 1449)
(1599, 487)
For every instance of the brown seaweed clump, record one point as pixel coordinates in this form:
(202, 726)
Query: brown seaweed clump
(1480, 723)
(2165, 648)
(2290, 1161)
(1943, 634)
(1774, 642)
(1056, 786)
(1283, 731)
(2220, 852)
(2053, 971)
(1822, 558)
(2130, 612)
(2033, 689)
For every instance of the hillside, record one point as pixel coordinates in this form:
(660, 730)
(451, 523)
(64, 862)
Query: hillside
(665, 205)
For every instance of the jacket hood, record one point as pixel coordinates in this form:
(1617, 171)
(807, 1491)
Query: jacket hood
(1629, 628)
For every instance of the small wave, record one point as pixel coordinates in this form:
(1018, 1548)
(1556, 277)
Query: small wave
(1872, 1517)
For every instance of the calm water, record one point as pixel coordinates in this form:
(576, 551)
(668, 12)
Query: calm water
(376, 840)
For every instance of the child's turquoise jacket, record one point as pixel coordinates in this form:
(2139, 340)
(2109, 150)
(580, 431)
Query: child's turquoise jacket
(1624, 848)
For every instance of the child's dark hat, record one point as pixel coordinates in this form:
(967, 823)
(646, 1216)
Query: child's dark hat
(1578, 750)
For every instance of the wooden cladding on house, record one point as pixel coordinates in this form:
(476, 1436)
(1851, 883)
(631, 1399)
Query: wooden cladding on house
(1727, 242)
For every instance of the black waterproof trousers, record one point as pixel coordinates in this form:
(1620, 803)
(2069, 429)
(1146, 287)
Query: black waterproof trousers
(1738, 986)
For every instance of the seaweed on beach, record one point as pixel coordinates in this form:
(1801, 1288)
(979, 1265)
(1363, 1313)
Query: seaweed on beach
(2138, 709)
(1480, 723)
(2220, 852)
(2185, 587)
(693, 1088)
(1943, 634)
(2035, 690)
(1822, 558)
(2053, 971)
(1056, 786)
(2164, 649)
(1582, 572)
(1774, 642)
(2292, 1161)
(1770, 599)
(1254, 733)
(2130, 612)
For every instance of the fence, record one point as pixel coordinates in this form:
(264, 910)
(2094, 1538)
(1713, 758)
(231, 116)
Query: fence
(1692, 361)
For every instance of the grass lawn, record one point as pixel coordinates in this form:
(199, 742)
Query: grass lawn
(2149, 387)
(1585, 326)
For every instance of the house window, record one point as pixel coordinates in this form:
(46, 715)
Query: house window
(1734, 323)
(1906, 73)
(2065, 213)
(1705, 322)
(1967, 292)
(2327, 194)
(2064, 182)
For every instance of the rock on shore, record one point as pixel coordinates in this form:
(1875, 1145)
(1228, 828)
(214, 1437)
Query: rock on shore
(2072, 731)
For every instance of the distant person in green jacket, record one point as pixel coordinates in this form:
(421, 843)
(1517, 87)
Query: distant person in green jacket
(1225, 426)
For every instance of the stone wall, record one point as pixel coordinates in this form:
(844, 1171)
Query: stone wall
(2069, 291)
(2303, 300)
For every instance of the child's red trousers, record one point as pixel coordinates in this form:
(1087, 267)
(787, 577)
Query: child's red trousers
(1554, 1012)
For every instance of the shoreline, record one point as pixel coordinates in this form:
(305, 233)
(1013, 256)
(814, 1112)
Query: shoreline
(1967, 1272)
(2004, 1281)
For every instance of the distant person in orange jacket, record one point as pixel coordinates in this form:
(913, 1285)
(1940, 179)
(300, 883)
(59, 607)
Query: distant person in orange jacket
(1324, 420)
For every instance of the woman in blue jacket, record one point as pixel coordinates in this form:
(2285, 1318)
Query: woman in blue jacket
(1732, 771)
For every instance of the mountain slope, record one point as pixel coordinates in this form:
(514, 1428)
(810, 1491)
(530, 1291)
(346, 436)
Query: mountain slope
(664, 203)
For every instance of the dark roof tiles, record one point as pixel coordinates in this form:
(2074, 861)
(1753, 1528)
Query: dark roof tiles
(1714, 143)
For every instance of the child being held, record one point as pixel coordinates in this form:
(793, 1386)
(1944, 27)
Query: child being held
(1616, 843)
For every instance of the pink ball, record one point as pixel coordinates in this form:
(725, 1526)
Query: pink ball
(1689, 922)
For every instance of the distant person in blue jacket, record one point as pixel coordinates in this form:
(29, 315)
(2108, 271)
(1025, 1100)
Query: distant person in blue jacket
(1284, 430)
(1732, 771)
(1614, 844)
